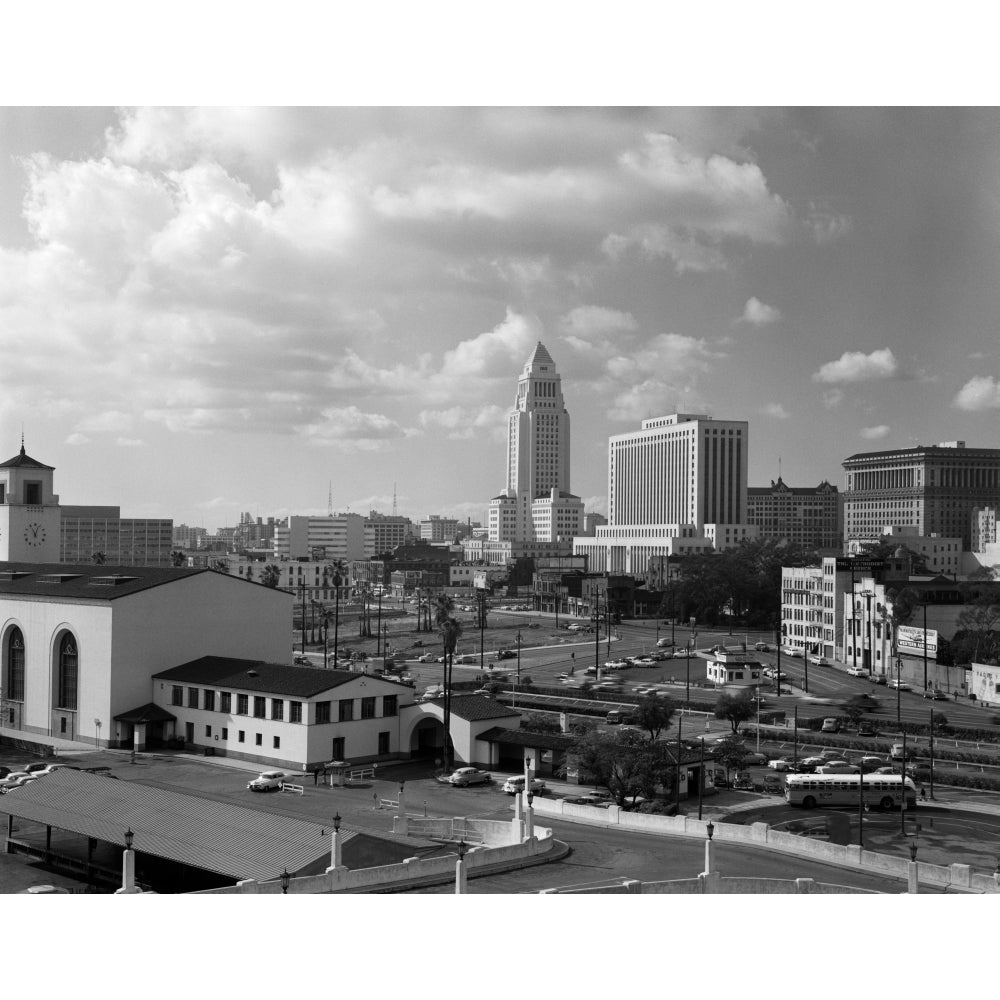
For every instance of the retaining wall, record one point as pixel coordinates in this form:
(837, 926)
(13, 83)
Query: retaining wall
(958, 877)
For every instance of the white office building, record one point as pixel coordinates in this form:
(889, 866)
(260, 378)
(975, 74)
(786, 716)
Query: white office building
(676, 486)
(340, 536)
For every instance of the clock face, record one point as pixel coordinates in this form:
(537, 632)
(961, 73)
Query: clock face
(34, 534)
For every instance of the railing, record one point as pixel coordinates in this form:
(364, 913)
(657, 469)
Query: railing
(288, 786)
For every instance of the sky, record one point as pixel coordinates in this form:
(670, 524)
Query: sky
(207, 309)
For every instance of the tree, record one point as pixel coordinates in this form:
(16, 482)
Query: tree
(653, 715)
(450, 629)
(99, 558)
(270, 576)
(730, 753)
(736, 709)
(220, 565)
(625, 762)
(178, 558)
(976, 638)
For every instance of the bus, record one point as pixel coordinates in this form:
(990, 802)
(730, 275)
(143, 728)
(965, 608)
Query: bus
(883, 790)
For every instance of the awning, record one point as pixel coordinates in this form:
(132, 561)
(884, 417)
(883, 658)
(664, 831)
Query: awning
(149, 712)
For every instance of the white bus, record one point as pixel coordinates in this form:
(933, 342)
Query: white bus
(883, 790)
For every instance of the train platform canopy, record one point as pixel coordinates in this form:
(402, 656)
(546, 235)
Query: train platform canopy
(230, 840)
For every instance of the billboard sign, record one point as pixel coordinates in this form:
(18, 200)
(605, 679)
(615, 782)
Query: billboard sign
(911, 640)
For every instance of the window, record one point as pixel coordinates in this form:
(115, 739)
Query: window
(295, 711)
(225, 702)
(277, 709)
(176, 695)
(322, 712)
(277, 742)
(367, 708)
(192, 697)
(383, 743)
(242, 736)
(225, 733)
(259, 705)
(208, 700)
(258, 739)
(346, 709)
(67, 673)
(208, 730)
(14, 688)
(242, 704)
(338, 749)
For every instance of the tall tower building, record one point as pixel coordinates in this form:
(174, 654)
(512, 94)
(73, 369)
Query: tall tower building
(536, 505)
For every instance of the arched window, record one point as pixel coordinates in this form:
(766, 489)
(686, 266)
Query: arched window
(67, 673)
(15, 666)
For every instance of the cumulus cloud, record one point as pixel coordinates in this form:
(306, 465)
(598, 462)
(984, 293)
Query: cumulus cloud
(874, 433)
(982, 392)
(854, 366)
(494, 351)
(832, 398)
(758, 313)
(775, 410)
(464, 423)
(826, 226)
(583, 321)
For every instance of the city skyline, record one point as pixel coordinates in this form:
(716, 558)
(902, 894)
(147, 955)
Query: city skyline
(211, 311)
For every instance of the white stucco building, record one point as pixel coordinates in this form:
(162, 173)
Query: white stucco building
(80, 644)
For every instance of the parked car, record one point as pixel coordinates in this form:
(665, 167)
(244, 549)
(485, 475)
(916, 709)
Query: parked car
(615, 665)
(819, 661)
(793, 651)
(426, 658)
(880, 679)
(303, 661)
(920, 772)
(743, 783)
(762, 647)
(782, 764)
(664, 643)
(267, 781)
(936, 693)
(886, 769)
(506, 654)
(575, 627)
(898, 685)
(830, 725)
(857, 672)
(465, 776)
(814, 761)
(870, 763)
(36, 767)
(896, 753)
(753, 758)
(658, 655)
(838, 767)
(867, 729)
(644, 661)
(515, 784)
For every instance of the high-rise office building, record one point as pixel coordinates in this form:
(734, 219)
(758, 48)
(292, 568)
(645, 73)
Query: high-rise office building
(536, 505)
(677, 485)
(933, 489)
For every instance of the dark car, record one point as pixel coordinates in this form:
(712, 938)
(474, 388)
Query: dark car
(936, 693)
(506, 654)
(867, 729)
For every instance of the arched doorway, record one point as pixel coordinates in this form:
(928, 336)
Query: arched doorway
(427, 739)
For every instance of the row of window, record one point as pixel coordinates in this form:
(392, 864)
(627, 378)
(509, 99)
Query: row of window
(339, 744)
(205, 699)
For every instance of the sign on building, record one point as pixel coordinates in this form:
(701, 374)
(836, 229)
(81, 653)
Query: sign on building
(911, 640)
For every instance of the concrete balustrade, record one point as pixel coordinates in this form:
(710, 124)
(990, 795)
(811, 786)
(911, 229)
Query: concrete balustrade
(959, 877)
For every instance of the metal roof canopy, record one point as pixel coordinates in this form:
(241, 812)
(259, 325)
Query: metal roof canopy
(231, 840)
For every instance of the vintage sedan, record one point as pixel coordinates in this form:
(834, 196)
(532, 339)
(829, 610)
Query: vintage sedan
(782, 764)
(466, 776)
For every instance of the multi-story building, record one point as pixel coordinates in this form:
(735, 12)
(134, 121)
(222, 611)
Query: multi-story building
(254, 533)
(983, 528)
(340, 536)
(188, 537)
(384, 532)
(123, 541)
(438, 529)
(536, 504)
(932, 489)
(811, 516)
(678, 485)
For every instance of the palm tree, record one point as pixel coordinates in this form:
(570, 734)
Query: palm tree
(450, 629)
(270, 576)
(337, 572)
(99, 558)
(178, 558)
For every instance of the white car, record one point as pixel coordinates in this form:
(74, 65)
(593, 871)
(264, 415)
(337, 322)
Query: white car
(575, 627)
(644, 661)
(819, 661)
(857, 672)
(267, 781)
(781, 764)
(682, 654)
(515, 784)
(616, 665)
(898, 685)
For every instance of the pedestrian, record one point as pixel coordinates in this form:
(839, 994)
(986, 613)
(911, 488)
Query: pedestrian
(923, 794)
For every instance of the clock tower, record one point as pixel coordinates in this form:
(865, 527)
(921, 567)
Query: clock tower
(29, 511)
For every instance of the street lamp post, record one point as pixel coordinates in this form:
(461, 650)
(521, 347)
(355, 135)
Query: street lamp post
(701, 778)
(461, 848)
(932, 755)
(285, 879)
(902, 801)
(677, 765)
(517, 674)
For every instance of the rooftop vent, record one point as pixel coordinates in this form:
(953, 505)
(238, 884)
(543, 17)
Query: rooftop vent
(116, 580)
